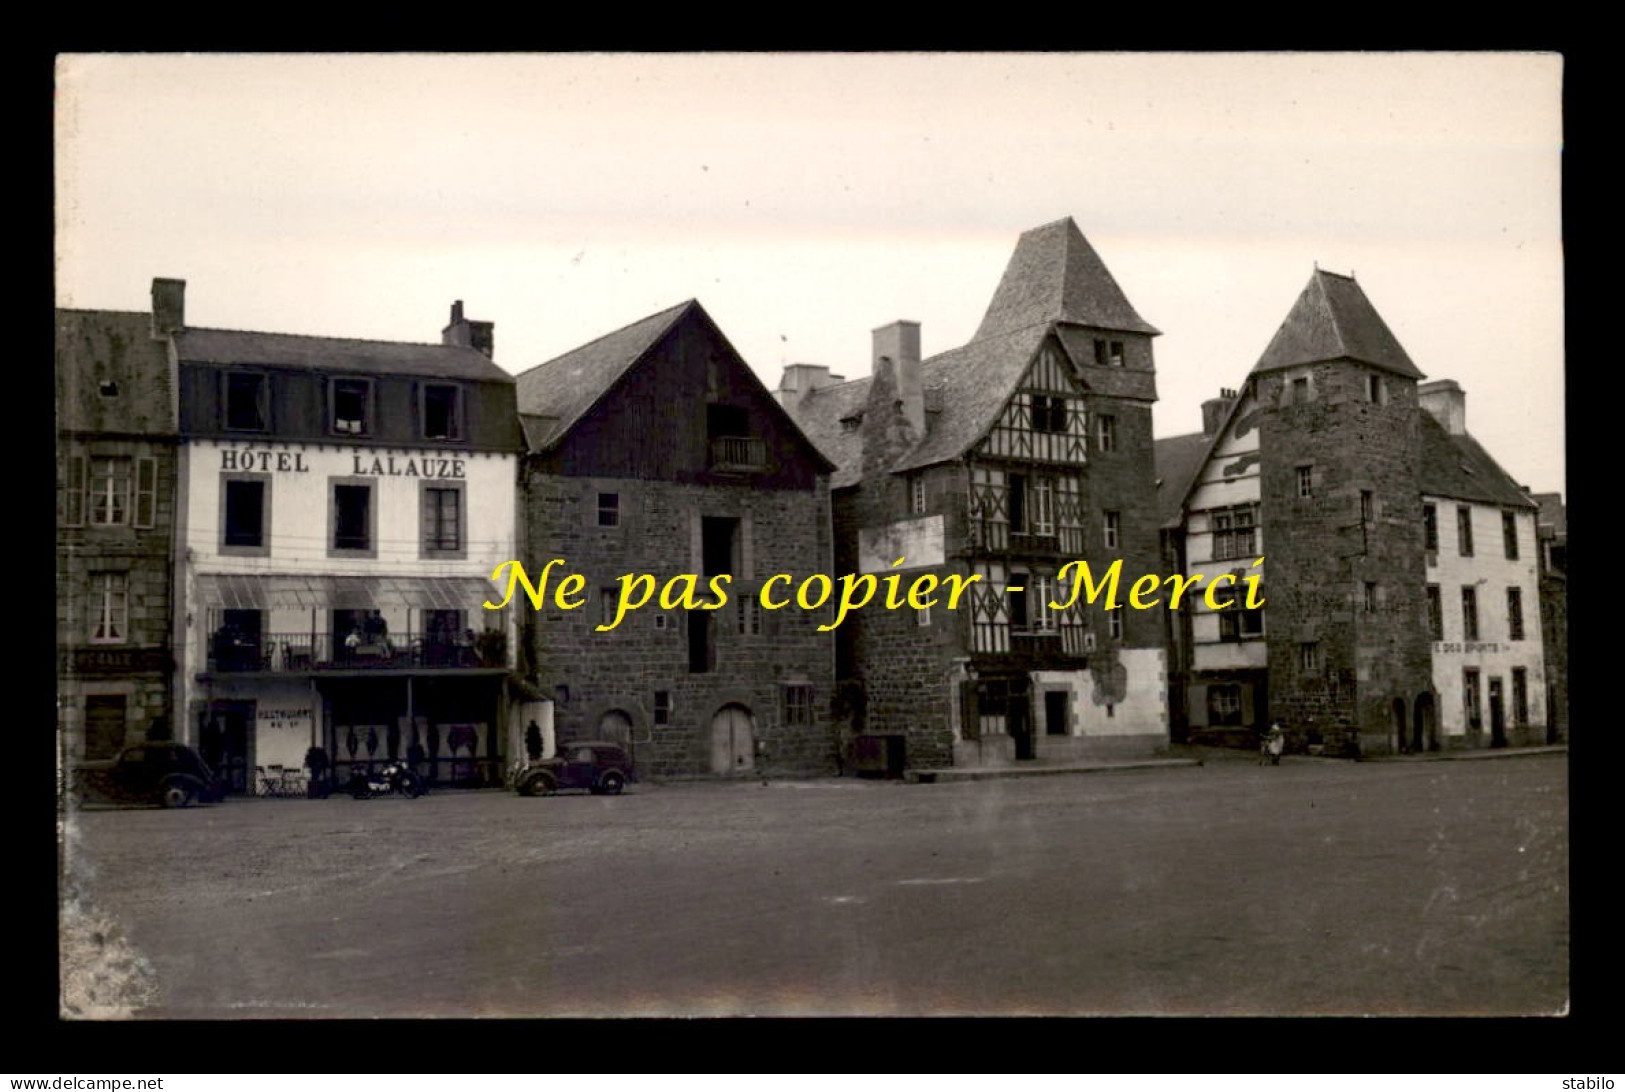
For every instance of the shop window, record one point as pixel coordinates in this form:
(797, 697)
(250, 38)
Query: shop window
(1224, 705)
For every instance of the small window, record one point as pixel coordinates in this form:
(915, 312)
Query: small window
(1368, 506)
(798, 705)
(662, 707)
(351, 399)
(609, 509)
(1435, 613)
(916, 495)
(1308, 656)
(1300, 391)
(243, 515)
(1114, 624)
(1509, 534)
(1375, 391)
(110, 608)
(1370, 597)
(246, 404)
(750, 616)
(1514, 614)
(1469, 613)
(607, 599)
(442, 412)
(1236, 623)
(922, 616)
(1108, 354)
(111, 488)
(1111, 529)
(352, 518)
(1224, 705)
(1106, 432)
(1430, 528)
(1306, 482)
(1464, 530)
(443, 521)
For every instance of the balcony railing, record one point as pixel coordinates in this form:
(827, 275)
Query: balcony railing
(303, 652)
(738, 453)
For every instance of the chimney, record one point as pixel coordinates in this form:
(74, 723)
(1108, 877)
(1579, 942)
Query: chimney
(800, 380)
(1445, 399)
(168, 307)
(900, 343)
(1214, 409)
(468, 333)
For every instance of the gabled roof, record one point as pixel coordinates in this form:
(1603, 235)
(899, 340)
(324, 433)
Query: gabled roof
(967, 387)
(1056, 276)
(1333, 320)
(1457, 467)
(201, 345)
(565, 388)
(93, 347)
(1179, 459)
(1552, 513)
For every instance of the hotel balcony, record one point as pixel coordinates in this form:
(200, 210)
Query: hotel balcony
(300, 653)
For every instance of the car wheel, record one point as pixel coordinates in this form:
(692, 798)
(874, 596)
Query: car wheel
(611, 783)
(175, 794)
(537, 785)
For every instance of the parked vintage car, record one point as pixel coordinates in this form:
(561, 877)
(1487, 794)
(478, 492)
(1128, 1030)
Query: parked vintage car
(166, 773)
(600, 767)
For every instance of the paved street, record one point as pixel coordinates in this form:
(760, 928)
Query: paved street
(1316, 887)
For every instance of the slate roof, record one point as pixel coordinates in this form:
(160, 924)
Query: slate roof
(200, 345)
(1056, 276)
(1179, 459)
(1458, 467)
(563, 389)
(966, 387)
(116, 346)
(1333, 320)
(1552, 513)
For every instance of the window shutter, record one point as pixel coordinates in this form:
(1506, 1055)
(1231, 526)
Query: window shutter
(146, 491)
(426, 518)
(970, 717)
(73, 493)
(1197, 705)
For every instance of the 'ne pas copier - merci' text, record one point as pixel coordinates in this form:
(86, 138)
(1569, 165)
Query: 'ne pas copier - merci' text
(683, 591)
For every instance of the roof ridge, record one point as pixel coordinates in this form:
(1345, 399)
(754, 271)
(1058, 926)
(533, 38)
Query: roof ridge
(319, 337)
(691, 301)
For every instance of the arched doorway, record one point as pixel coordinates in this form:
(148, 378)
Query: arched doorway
(1424, 726)
(616, 727)
(733, 740)
(1402, 741)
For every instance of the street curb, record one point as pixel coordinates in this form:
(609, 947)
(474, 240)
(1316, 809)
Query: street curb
(987, 773)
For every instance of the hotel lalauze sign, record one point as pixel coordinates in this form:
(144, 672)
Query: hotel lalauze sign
(404, 464)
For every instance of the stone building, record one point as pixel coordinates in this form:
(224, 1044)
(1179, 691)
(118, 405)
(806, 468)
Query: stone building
(1552, 530)
(999, 463)
(655, 452)
(1336, 464)
(343, 504)
(115, 476)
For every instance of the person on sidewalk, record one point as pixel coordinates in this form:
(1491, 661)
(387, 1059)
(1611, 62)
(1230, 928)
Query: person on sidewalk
(1274, 744)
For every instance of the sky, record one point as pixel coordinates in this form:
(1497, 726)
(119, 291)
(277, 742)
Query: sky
(805, 199)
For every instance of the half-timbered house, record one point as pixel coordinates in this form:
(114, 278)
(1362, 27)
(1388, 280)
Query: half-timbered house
(1004, 460)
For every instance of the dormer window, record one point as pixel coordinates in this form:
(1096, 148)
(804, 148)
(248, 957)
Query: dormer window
(351, 400)
(442, 412)
(1108, 354)
(246, 402)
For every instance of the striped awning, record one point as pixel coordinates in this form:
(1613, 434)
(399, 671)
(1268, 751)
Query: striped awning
(251, 591)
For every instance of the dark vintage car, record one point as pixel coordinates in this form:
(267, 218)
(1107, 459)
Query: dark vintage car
(599, 767)
(170, 774)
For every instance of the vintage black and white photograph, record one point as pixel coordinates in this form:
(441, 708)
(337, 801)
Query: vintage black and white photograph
(801, 534)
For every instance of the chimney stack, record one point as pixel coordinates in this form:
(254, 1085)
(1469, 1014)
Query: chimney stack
(800, 380)
(899, 342)
(1214, 409)
(480, 336)
(1445, 399)
(168, 307)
